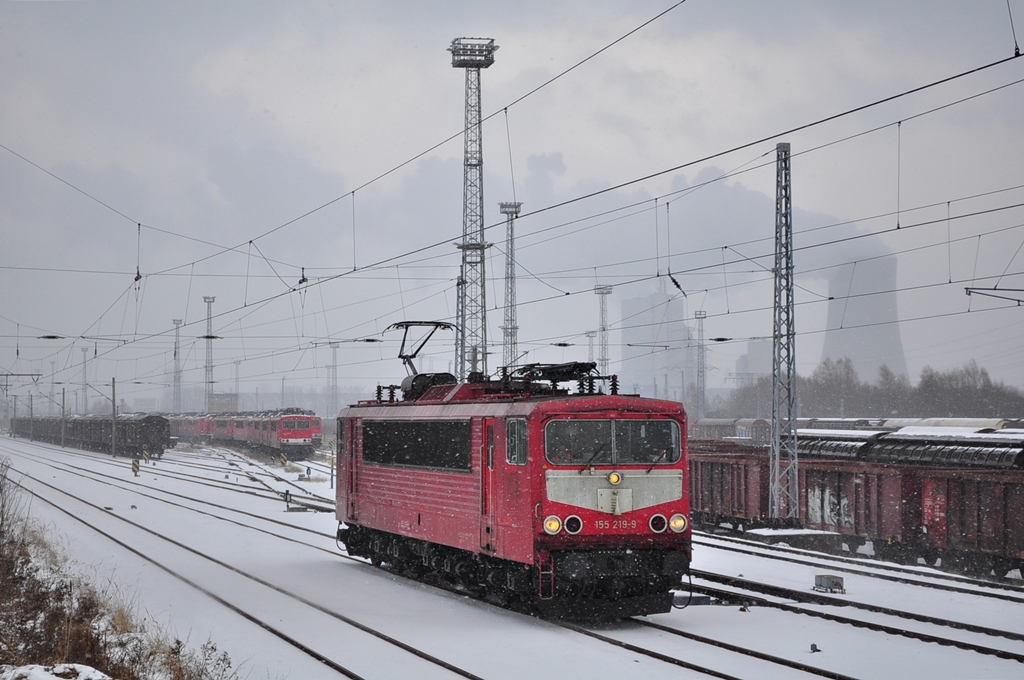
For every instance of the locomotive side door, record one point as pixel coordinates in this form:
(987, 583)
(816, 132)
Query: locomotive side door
(351, 425)
(488, 535)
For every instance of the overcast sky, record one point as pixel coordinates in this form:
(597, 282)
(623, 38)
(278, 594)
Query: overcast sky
(214, 147)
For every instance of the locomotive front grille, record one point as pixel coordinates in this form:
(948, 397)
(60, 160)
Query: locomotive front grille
(592, 490)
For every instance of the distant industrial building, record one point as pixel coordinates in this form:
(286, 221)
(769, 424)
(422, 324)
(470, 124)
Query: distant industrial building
(659, 353)
(755, 363)
(862, 320)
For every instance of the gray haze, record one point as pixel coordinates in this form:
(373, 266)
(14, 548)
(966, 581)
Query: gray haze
(191, 140)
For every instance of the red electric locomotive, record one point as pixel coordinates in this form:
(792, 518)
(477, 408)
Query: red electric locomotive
(295, 432)
(557, 503)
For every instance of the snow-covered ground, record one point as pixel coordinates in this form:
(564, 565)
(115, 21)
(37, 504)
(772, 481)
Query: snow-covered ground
(209, 553)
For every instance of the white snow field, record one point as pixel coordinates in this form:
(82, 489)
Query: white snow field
(207, 549)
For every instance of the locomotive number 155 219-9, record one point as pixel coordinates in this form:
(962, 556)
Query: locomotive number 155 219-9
(615, 524)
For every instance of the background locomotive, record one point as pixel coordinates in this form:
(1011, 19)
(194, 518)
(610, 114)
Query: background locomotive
(514, 489)
(295, 432)
(134, 434)
(950, 494)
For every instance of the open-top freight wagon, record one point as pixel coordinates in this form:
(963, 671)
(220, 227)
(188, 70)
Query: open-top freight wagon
(132, 434)
(946, 494)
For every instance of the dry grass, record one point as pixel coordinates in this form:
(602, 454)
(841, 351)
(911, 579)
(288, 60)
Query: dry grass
(50, 616)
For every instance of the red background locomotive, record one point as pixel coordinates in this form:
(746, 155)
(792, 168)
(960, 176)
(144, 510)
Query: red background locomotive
(294, 432)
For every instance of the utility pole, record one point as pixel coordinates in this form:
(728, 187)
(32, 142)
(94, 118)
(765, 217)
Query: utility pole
(176, 407)
(113, 417)
(49, 407)
(282, 392)
(472, 54)
(511, 327)
(602, 330)
(210, 337)
(334, 380)
(85, 395)
(590, 344)
(238, 395)
(700, 315)
(784, 493)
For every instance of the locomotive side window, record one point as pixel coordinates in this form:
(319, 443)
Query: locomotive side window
(443, 444)
(515, 447)
(342, 437)
(609, 442)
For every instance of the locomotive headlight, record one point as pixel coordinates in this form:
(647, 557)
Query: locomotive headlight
(552, 524)
(658, 523)
(573, 525)
(614, 478)
(677, 523)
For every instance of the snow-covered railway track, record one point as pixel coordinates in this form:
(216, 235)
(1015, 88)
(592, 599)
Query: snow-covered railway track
(129, 485)
(251, 522)
(253, 486)
(748, 592)
(771, 660)
(996, 589)
(299, 544)
(262, 622)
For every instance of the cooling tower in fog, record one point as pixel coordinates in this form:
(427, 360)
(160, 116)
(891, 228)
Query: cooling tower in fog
(862, 318)
(659, 358)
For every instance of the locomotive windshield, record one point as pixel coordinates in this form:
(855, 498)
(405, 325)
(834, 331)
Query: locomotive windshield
(612, 442)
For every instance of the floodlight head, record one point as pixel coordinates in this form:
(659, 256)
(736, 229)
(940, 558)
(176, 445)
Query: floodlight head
(509, 208)
(472, 52)
(700, 314)
(603, 290)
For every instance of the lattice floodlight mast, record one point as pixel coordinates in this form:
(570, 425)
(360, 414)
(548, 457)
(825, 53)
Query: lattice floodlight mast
(602, 330)
(472, 54)
(176, 407)
(511, 327)
(700, 315)
(209, 299)
(784, 480)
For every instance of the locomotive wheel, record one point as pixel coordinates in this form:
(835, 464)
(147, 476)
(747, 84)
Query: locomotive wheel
(1002, 566)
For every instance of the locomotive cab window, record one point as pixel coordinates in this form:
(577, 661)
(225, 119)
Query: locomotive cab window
(515, 447)
(612, 442)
